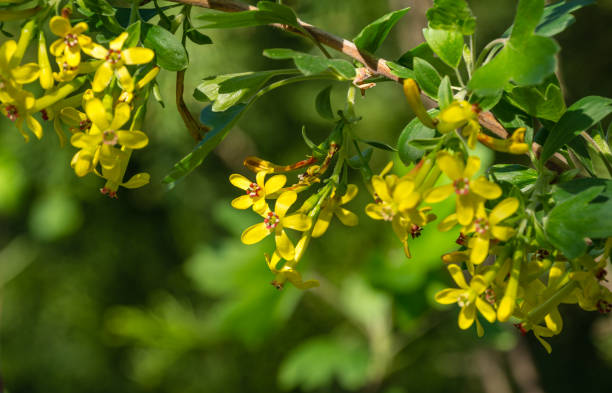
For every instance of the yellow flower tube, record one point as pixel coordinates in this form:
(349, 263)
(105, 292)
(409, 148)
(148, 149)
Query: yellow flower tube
(508, 301)
(413, 96)
(46, 73)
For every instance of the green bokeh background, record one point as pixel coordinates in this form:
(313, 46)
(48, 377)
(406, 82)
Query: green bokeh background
(155, 293)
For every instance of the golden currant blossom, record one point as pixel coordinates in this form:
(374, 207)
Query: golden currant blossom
(256, 192)
(333, 206)
(71, 40)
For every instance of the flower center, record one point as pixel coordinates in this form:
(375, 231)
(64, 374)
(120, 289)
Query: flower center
(85, 125)
(109, 192)
(11, 112)
(463, 300)
(271, 220)
(113, 56)
(109, 137)
(462, 186)
(481, 225)
(387, 213)
(71, 40)
(377, 198)
(66, 67)
(415, 231)
(461, 239)
(490, 295)
(253, 190)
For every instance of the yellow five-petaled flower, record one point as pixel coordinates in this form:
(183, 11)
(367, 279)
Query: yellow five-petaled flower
(115, 58)
(71, 40)
(256, 192)
(275, 221)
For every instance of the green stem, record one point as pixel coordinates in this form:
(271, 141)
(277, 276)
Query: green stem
(487, 49)
(295, 79)
(134, 14)
(538, 313)
(54, 96)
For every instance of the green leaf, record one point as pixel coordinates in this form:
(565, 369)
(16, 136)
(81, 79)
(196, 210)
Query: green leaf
(373, 35)
(323, 103)
(427, 77)
(423, 51)
(518, 175)
(448, 45)
(170, 53)
(400, 71)
(195, 36)
(445, 93)
(580, 216)
(579, 117)
(379, 145)
(413, 130)
(451, 15)
(220, 124)
(526, 59)
(100, 7)
(558, 16)
(544, 101)
(267, 14)
(228, 90)
(487, 102)
(133, 31)
(309, 64)
(316, 362)
(425, 144)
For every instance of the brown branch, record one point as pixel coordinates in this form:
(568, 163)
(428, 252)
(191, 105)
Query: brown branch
(375, 65)
(196, 130)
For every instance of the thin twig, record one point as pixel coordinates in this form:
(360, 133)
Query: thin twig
(196, 130)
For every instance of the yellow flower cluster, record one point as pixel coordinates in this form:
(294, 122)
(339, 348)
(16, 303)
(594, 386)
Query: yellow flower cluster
(102, 131)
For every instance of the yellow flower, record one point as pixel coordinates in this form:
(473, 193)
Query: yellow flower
(513, 145)
(275, 222)
(333, 206)
(114, 175)
(11, 77)
(459, 114)
(468, 297)
(128, 96)
(19, 109)
(287, 272)
(487, 227)
(71, 40)
(115, 60)
(413, 96)
(470, 193)
(592, 295)
(396, 201)
(256, 192)
(103, 135)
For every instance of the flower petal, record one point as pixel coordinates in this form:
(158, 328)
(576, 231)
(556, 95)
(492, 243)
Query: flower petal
(479, 249)
(502, 233)
(34, 126)
(72, 55)
(59, 26)
(138, 180)
(137, 55)
(346, 217)
(465, 209)
(96, 51)
(410, 201)
(457, 275)
(118, 42)
(554, 321)
(242, 202)
(284, 246)
(503, 210)
(299, 222)
(448, 223)
(26, 73)
(485, 188)
(102, 77)
(284, 202)
(471, 167)
(240, 181)
(254, 233)
(486, 310)
(467, 316)
(351, 192)
(450, 165)
(448, 295)
(97, 114)
(126, 80)
(374, 211)
(381, 189)
(439, 194)
(274, 184)
(322, 223)
(132, 139)
(121, 116)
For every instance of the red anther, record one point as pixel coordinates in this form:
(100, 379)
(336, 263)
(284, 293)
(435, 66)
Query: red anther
(542, 253)
(520, 327)
(85, 125)
(462, 186)
(601, 274)
(377, 199)
(253, 190)
(44, 113)
(277, 285)
(12, 112)
(415, 231)
(490, 295)
(461, 239)
(104, 190)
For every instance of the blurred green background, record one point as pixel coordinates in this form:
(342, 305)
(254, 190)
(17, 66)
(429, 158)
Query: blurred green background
(155, 293)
